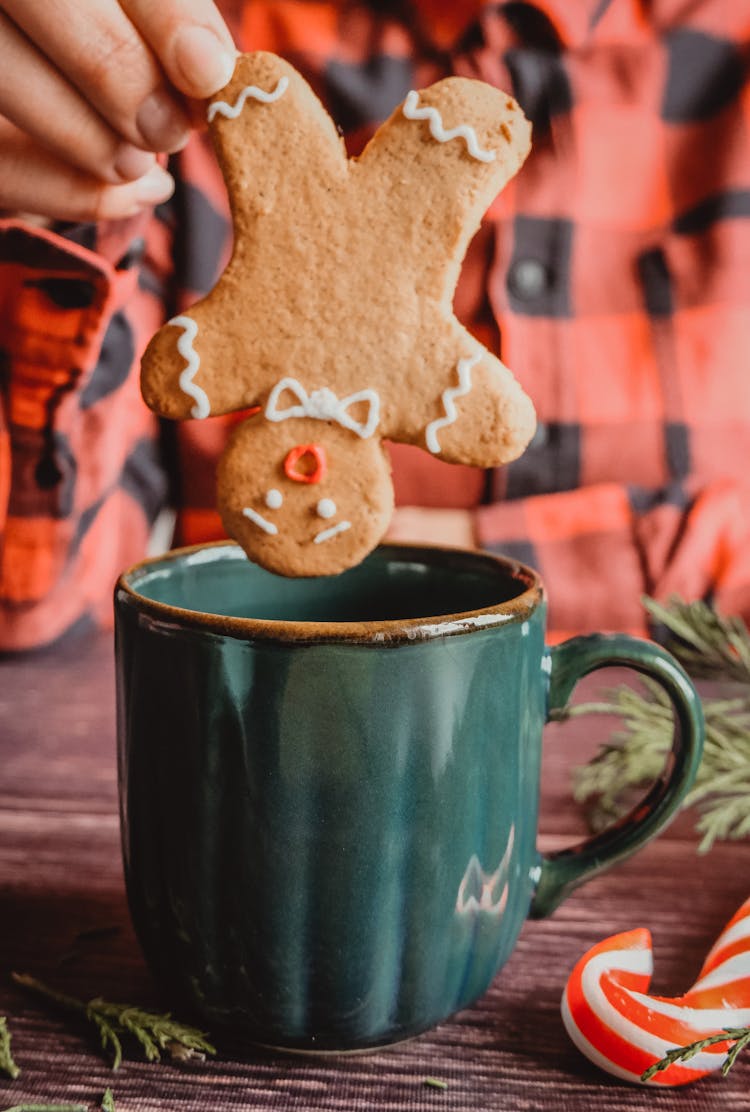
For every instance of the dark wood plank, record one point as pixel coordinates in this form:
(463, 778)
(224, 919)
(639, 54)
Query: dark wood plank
(60, 875)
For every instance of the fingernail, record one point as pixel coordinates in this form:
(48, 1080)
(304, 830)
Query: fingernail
(130, 162)
(162, 123)
(203, 60)
(153, 188)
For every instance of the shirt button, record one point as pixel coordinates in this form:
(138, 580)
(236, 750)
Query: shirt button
(528, 278)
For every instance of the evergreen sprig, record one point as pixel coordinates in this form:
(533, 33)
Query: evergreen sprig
(709, 645)
(155, 1033)
(7, 1065)
(635, 756)
(738, 1036)
(47, 1108)
(435, 1083)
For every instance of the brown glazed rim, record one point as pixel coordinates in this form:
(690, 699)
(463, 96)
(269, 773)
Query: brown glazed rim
(383, 632)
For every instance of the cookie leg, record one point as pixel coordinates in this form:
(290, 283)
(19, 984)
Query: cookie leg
(433, 168)
(426, 178)
(280, 154)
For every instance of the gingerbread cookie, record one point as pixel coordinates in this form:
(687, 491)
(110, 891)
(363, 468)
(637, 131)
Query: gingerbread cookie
(334, 315)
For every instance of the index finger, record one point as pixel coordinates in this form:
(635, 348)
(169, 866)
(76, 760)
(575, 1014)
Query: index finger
(101, 52)
(190, 39)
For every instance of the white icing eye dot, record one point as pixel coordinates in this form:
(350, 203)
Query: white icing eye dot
(326, 507)
(274, 498)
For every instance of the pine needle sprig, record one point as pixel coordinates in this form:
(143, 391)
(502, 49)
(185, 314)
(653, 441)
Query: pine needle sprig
(47, 1108)
(739, 1036)
(155, 1033)
(435, 1083)
(636, 754)
(708, 644)
(7, 1065)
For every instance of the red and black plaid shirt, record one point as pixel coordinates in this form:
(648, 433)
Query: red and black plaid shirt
(612, 276)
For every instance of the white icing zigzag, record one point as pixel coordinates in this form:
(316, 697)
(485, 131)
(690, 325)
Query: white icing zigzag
(232, 111)
(465, 367)
(468, 134)
(202, 408)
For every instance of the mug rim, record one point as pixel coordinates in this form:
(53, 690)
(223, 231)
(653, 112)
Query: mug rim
(379, 632)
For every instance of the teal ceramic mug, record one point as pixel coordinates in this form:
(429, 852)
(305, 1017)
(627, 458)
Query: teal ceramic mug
(329, 787)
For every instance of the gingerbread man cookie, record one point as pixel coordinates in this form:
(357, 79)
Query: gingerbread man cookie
(334, 315)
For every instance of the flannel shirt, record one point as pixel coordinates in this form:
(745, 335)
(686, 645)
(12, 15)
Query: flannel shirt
(612, 275)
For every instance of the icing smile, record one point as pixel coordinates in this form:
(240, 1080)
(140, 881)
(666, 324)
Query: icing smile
(333, 531)
(325, 509)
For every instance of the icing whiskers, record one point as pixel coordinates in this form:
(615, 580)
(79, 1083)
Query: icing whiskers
(412, 111)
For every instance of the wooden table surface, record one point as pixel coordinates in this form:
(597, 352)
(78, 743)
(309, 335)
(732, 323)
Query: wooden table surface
(64, 919)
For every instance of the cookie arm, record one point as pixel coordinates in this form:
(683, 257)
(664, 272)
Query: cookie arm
(183, 370)
(466, 406)
(440, 160)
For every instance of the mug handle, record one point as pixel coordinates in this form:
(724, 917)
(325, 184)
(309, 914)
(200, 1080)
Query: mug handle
(557, 874)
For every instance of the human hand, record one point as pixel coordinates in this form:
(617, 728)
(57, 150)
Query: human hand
(92, 90)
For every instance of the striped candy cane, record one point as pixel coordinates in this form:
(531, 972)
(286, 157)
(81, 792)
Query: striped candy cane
(612, 1020)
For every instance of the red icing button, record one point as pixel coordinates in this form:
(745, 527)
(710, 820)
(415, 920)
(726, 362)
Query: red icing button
(306, 463)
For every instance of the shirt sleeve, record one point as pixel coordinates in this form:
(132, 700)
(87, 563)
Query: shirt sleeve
(80, 475)
(85, 467)
(601, 548)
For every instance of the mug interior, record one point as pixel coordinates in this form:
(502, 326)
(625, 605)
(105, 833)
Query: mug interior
(395, 583)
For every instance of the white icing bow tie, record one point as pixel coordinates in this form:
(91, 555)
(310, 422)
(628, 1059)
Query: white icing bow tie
(325, 406)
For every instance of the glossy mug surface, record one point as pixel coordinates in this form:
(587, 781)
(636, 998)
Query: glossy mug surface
(329, 787)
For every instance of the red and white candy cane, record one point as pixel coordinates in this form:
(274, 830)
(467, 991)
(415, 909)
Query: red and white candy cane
(612, 1020)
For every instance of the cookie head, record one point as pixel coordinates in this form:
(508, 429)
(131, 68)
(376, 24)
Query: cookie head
(304, 497)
